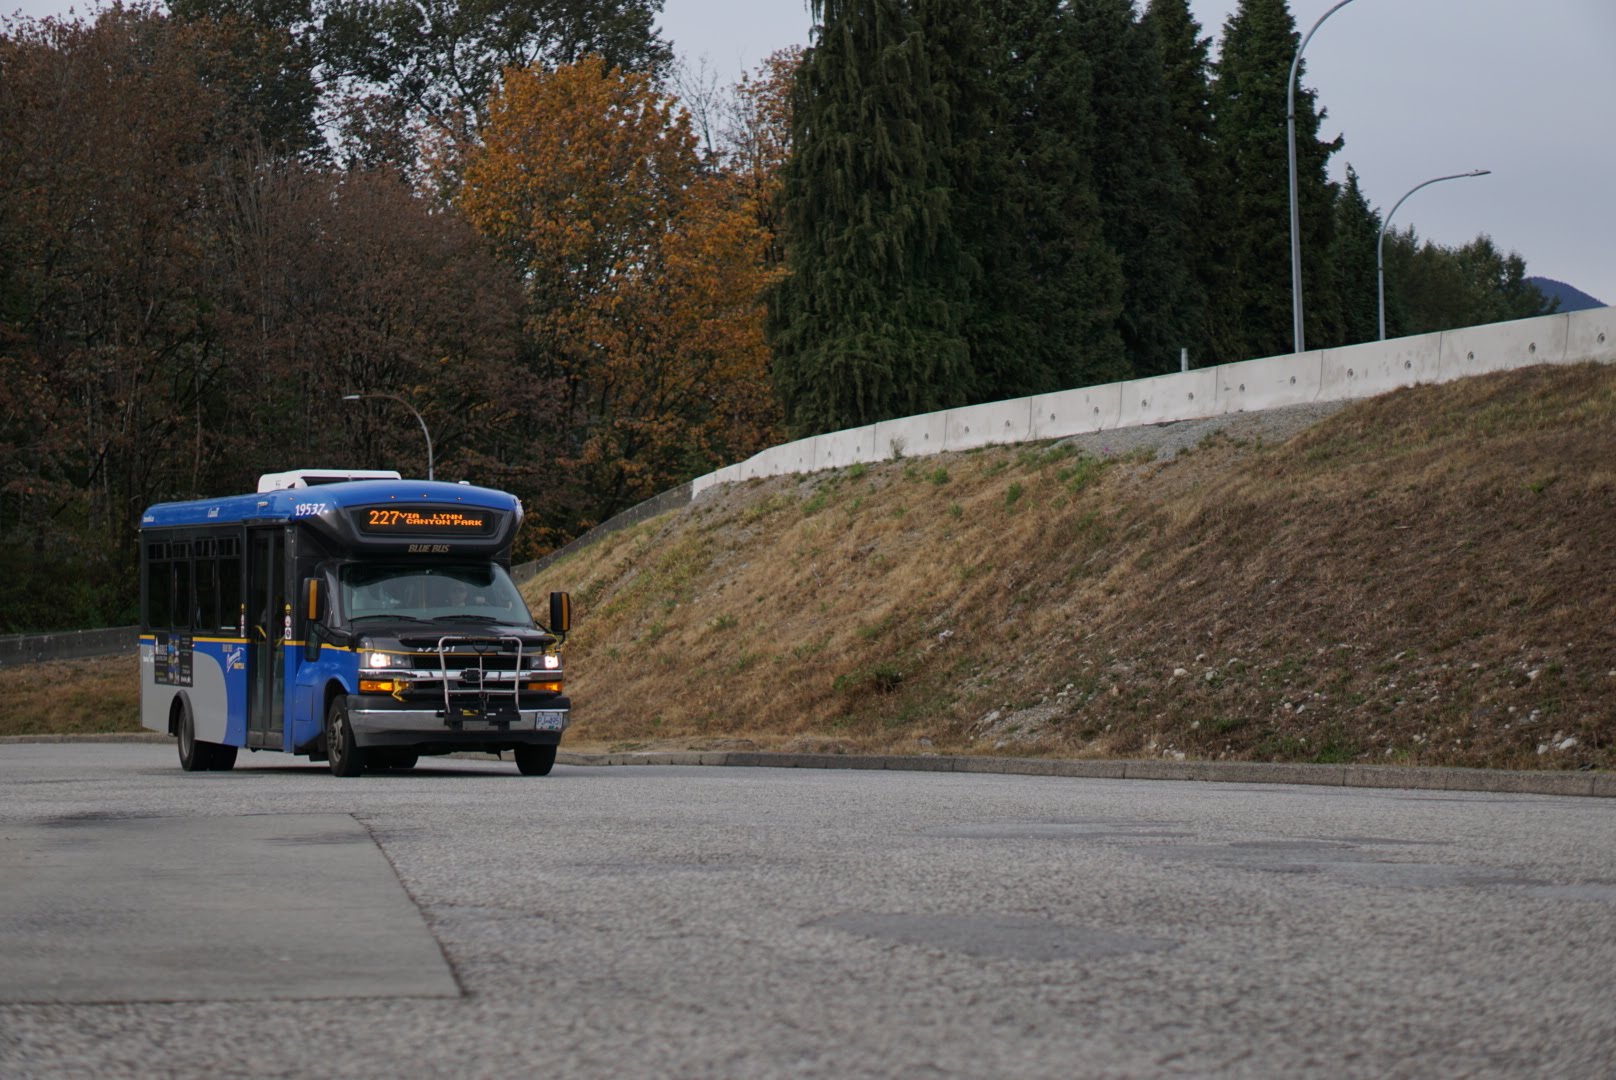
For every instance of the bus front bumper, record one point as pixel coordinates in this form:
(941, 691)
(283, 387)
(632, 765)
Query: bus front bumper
(375, 724)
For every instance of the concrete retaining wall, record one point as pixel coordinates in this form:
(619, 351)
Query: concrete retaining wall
(1092, 408)
(1356, 371)
(1591, 335)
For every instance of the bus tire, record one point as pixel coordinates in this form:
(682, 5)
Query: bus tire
(535, 760)
(194, 756)
(346, 758)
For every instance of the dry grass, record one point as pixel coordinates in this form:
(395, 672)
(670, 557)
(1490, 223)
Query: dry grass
(71, 697)
(1428, 577)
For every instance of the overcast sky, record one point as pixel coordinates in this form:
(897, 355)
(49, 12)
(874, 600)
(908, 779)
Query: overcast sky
(1420, 88)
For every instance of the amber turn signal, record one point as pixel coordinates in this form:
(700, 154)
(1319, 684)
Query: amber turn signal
(375, 686)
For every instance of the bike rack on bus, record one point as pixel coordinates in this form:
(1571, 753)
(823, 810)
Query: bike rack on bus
(482, 683)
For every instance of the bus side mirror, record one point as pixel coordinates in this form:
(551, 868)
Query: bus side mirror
(560, 613)
(313, 607)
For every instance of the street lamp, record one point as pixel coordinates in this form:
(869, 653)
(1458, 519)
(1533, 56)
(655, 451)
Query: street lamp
(1290, 132)
(1380, 241)
(407, 405)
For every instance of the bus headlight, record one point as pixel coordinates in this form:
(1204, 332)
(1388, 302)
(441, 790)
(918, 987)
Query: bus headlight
(381, 660)
(552, 661)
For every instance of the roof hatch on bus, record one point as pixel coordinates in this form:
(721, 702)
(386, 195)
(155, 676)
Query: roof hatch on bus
(304, 478)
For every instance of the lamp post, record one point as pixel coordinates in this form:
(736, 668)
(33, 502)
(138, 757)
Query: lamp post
(1290, 133)
(1380, 241)
(407, 405)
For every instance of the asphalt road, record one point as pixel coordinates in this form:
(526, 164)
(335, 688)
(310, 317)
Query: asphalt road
(726, 922)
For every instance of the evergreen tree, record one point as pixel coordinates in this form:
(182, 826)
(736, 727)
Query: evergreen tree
(1049, 290)
(1352, 260)
(1431, 287)
(1186, 69)
(868, 324)
(1398, 254)
(1144, 197)
(1249, 97)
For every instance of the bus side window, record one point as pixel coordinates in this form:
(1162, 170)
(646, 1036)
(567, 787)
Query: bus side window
(159, 576)
(207, 594)
(229, 594)
(182, 593)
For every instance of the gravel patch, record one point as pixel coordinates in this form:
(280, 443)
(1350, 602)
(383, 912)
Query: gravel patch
(1167, 440)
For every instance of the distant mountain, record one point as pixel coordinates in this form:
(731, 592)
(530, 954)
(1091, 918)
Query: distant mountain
(1571, 299)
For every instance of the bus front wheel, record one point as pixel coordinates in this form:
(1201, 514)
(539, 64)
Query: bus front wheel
(346, 758)
(535, 760)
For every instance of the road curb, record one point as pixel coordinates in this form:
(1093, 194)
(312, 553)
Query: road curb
(1406, 777)
(1418, 778)
(107, 737)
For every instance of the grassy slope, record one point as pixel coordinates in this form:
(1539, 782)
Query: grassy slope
(71, 697)
(1428, 576)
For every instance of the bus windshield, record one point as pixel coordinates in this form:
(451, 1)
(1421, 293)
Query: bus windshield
(480, 593)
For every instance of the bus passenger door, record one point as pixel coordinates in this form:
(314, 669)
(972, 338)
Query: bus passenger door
(266, 601)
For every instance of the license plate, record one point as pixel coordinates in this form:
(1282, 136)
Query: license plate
(551, 721)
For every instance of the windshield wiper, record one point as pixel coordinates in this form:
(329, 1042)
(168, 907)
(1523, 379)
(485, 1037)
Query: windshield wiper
(398, 618)
(467, 618)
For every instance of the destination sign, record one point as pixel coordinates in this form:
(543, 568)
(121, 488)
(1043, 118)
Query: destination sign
(426, 521)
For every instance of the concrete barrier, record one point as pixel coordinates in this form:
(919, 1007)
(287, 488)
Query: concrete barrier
(729, 474)
(1478, 350)
(1074, 412)
(68, 645)
(1272, 382)
(1161, 399)
(839, 449)
(993, 423)
(801, 455)
(912, 436)
(1591, 335)
(775, 461)
(1360, 371)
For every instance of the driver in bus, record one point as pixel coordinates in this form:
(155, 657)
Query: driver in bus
(371, 598)
(460, 595)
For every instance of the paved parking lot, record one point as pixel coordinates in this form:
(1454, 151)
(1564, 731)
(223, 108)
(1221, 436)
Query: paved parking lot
(751, 922)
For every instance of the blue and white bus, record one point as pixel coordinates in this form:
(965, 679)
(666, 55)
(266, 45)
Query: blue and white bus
(356, 618)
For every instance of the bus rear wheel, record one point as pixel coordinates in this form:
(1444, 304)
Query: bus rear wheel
(198, 756)
(535, 760)
(346, 758)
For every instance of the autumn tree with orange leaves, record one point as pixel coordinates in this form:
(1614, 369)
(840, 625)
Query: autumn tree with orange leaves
(644, 274)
